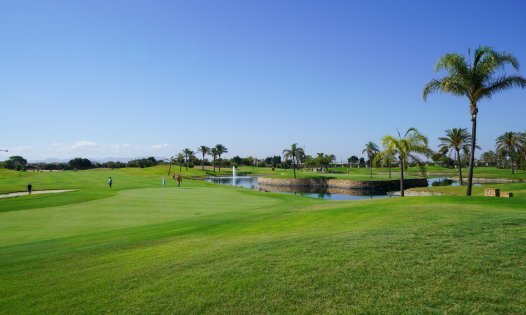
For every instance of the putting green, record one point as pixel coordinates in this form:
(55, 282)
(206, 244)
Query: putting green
(128, 208)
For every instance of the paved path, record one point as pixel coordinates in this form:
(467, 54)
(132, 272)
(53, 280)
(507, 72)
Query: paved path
(34, 192)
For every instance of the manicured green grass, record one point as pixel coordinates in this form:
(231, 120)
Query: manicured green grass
(216, 249)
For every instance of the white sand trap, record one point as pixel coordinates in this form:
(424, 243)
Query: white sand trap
(35, 192)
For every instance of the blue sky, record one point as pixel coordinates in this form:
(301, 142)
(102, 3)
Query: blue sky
(100, 79)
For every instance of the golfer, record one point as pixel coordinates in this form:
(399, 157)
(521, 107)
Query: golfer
(29, 188)
(179, 179)
(110, 181)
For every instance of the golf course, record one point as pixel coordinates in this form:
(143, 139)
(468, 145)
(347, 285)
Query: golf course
(139, 247)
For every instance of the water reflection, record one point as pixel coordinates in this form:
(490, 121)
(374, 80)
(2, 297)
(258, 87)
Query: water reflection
(242, 181)
(442, 181)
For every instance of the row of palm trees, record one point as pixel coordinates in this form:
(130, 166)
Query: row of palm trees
(297, 156)
(187, 155)
(477, 77)
(402, 148)
(456, 140)
(511, 144)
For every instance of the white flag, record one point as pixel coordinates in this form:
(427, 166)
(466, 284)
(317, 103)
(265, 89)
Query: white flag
(164, 182)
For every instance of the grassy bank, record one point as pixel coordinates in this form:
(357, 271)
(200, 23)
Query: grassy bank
(214, 249)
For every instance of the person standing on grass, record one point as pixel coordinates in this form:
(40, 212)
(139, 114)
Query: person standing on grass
(110, 181)
(179, 179)
(29, 188)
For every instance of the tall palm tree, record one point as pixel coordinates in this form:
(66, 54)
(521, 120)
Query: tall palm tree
(295, 153)
(456, 139)
(221, 149)
(477, 81)
(405, 147)
(371, 149)
(213, 153)
(188, 154)
(507, 143)
(204, 151)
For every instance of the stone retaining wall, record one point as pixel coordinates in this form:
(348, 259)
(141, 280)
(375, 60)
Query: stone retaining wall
(385, 185)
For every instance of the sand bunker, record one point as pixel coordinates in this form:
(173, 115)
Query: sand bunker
(35, 192)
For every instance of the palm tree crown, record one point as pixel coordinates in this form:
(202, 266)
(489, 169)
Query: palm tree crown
(477, 79)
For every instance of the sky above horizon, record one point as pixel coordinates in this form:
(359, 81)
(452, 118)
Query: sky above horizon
(129, 79)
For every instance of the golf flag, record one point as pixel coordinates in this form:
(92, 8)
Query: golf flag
(164, 182)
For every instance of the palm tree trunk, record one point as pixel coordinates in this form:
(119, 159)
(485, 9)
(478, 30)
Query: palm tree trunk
(459, 165)
(371, 166)
(474, 111)
(511, 156)
(402, 178)
(214, 164)
(294, 166)
(203, 165)
(219, 163)
(389, 169)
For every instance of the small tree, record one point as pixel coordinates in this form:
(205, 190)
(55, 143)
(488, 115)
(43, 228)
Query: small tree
(15, 162)
(405, 148)
(295, 153)
(371, 149)
(353, 160)
(456, 140)
(80, 164)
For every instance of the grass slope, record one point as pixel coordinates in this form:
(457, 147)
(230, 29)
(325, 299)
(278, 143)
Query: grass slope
(214, 249)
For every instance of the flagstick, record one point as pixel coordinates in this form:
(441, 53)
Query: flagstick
(161, 201)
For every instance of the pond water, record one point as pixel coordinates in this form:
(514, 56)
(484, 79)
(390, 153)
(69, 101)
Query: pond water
(251, 182)
(441, 181)
(313, 192)
(444, 181)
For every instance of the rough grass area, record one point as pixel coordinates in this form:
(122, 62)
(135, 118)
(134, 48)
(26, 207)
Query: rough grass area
(213, 249)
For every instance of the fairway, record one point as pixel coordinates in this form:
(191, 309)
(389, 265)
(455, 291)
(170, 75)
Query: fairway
(215, 249)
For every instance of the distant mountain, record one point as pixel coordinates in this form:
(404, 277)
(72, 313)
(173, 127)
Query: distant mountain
(113, 159)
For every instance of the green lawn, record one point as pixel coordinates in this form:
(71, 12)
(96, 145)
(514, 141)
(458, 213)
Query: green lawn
(137, 248)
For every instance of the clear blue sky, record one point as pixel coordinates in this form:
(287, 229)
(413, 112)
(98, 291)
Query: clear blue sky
(125, 78)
